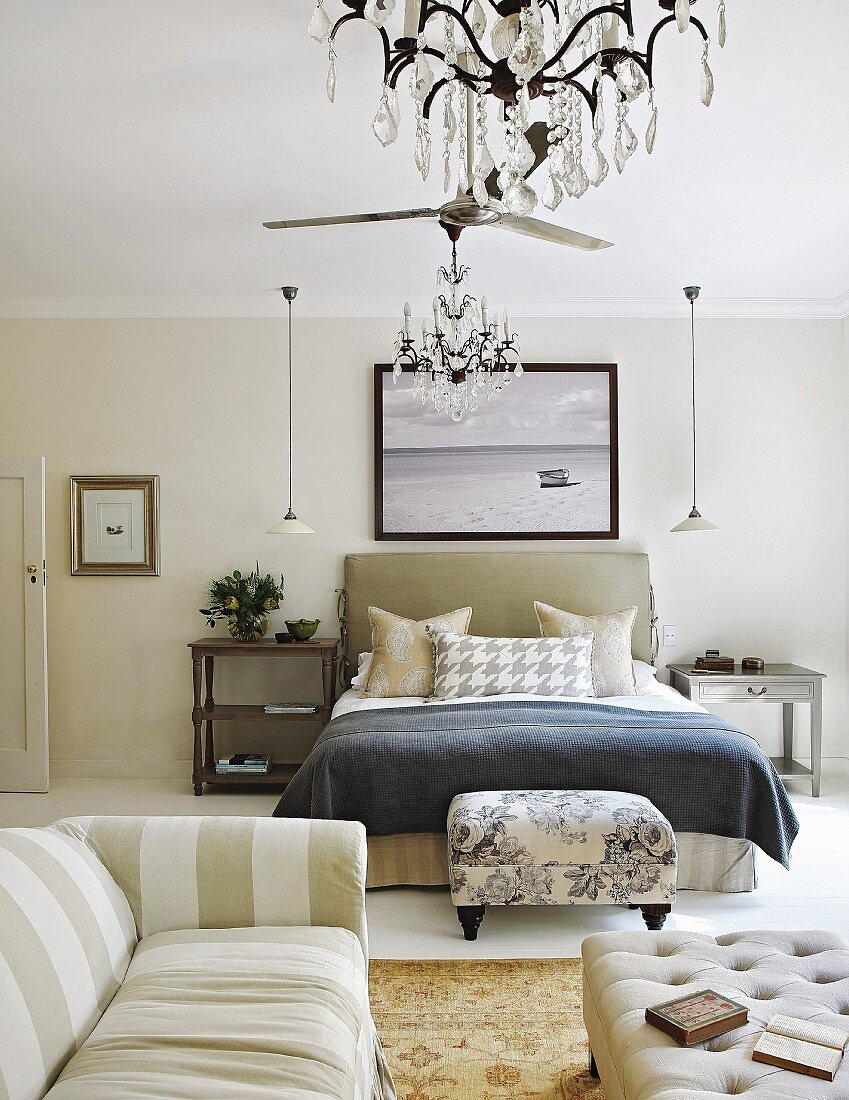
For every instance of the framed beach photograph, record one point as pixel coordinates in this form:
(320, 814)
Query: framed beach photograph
(537, 461)
(115, 526)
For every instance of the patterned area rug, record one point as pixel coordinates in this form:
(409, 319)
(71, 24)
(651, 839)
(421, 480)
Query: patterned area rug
(483, 1029)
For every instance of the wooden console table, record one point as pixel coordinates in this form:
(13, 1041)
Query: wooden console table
(787, 684)
(206, 710)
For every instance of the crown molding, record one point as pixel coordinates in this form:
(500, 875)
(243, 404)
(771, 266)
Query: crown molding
(268, 304)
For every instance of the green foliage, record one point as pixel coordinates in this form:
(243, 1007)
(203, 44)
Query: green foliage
(243, 600)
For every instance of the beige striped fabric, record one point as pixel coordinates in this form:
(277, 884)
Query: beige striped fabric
(242, 1013)
(66, 938)
(233, 872)
(705, 862)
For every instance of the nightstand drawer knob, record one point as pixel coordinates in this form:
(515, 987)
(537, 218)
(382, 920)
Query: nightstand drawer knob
(761, 692)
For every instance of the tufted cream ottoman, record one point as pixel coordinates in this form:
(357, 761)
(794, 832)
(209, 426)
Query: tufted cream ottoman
(804, 974)
(559, 848)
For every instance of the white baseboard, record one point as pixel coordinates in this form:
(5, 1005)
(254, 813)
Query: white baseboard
(834, 766)
(121, 769)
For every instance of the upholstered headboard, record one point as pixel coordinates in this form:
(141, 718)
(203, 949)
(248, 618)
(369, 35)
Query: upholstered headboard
(499, 586)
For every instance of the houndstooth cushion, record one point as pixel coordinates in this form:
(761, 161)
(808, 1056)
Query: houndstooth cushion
(465, 665)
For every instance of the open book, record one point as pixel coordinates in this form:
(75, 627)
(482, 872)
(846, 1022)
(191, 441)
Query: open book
(802, 1045)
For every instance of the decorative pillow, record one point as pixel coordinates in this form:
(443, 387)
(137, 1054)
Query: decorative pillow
(402, 653)
(465, 665)
(613, 668)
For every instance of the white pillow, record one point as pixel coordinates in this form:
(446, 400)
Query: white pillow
(363, 665)
(645, 678)
(469, 666)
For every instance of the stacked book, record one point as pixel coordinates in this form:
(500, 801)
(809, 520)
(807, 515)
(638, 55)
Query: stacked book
(243, 763)
(291, 708)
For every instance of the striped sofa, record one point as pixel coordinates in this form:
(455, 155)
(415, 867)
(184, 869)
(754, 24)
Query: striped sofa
(213, 957)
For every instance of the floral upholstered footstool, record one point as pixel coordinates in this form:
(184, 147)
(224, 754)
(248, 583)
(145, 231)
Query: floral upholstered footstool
(559, 848)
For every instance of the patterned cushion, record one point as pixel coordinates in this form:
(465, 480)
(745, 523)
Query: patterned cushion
(402, 661)
(559, 848)
(66, 938)
(466, 665)
(613, 667)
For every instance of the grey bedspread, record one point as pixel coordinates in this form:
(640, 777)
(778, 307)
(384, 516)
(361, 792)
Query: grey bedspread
(396, 770)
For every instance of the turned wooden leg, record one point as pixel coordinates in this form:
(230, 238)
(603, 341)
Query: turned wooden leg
(197, 722)
(470, 916)
(328, 680)
(209, 748)
(655, 916)
(592, 1067)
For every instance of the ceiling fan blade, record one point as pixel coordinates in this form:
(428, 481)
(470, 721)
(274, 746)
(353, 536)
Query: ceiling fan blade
(545, 231)
(348, 219)
(537, 135)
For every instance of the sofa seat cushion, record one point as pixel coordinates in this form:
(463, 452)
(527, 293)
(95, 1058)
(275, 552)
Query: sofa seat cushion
(803, 974)
(221, 1013)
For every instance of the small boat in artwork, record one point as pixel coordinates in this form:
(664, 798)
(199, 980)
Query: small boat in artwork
(552, 479)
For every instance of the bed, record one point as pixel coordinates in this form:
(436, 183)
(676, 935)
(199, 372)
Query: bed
(395, 763)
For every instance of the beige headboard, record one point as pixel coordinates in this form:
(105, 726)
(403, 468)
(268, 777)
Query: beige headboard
(500, 588)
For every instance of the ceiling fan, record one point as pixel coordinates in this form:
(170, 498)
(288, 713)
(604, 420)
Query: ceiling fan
(463, 211)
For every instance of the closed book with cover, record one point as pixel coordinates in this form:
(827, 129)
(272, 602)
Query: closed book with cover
(803, 1046)
(697, 1016)
(714, 664)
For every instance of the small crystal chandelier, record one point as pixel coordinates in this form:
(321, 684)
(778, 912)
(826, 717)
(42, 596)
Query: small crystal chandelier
(465, 358)
(559, 51)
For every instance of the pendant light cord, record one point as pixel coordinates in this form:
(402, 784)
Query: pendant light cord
(289, 304)
(693, 350)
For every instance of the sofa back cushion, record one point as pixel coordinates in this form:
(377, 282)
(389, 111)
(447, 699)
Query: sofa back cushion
(66, 938)
(233, 872)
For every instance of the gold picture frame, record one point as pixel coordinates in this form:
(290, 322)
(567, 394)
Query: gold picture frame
(115, 526)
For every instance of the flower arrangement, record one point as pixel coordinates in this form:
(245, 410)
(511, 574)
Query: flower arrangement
(244, 602)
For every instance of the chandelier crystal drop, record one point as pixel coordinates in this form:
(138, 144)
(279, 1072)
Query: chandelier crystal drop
(464, 358)
(480, 65)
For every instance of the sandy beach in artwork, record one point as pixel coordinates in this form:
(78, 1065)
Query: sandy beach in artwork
(495, 489)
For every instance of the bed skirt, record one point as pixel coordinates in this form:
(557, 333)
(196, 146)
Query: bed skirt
(721, 864)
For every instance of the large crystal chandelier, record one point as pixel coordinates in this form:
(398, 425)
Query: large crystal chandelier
(562, 50)
(465, 356)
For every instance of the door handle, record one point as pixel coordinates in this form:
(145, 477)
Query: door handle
(32, 570)
(757, 693)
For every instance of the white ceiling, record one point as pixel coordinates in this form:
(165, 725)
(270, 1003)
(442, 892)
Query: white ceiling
(143, 143)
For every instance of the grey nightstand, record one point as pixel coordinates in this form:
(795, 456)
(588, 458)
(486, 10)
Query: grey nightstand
(787, 684)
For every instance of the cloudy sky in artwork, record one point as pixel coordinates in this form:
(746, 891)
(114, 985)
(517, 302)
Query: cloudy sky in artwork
(539, 409)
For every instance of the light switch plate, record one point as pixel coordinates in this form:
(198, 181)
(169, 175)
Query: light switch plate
(670, 636)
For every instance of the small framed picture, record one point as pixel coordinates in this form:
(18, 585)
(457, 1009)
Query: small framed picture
(115, 526)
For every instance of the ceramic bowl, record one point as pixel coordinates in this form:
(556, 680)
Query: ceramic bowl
(301, 629)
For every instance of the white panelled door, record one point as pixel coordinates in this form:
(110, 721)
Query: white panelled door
(23, 640)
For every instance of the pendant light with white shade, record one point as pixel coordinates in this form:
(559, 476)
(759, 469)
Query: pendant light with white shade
(290, 524)
(694, 521)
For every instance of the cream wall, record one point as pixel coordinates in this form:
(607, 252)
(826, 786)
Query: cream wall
(202, 404)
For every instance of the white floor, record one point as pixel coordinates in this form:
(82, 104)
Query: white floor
(410, 923)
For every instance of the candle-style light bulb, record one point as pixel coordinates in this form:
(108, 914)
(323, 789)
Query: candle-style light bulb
(506, 326)
(436, 312)
(496, 327)
(408, 313)
(485, 312)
